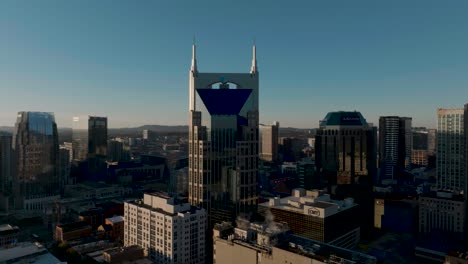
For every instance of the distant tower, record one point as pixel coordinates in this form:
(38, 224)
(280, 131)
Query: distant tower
(89, 137)
(223, 141)
(6, 173)
(269, 142)
(36, 149)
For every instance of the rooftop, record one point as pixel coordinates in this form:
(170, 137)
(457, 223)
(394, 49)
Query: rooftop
(321, 251)
(27, 252)
(279, 238)
(310, 202)
(8, 229)
(343, 118)
(115, 219)
(74, 226)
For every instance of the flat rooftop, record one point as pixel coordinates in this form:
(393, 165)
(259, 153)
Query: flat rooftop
(302, 199)
(116, 219)
(27, 252)
(321, 251)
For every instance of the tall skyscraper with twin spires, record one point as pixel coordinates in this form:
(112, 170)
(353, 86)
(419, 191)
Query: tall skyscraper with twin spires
(223, 141)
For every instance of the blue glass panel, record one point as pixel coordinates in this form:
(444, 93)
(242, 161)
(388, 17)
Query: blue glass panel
(224, 101)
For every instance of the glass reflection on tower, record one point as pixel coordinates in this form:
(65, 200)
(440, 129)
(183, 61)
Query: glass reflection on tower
(36, 148)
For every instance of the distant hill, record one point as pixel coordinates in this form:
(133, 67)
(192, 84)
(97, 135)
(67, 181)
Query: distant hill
(155, 128)
(6, 129)
(65, 133)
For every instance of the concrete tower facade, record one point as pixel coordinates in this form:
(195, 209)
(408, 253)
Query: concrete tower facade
(450, 150)
(269, 142)
(223, 141)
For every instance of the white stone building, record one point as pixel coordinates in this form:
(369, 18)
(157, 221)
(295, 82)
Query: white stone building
(170, 231)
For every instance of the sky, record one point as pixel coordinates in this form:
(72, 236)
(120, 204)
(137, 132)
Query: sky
(130, 60)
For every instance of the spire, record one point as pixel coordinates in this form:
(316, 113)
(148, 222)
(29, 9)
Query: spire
(254, 68)
(193, 68)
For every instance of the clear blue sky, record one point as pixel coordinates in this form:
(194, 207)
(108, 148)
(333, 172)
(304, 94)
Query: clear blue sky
(129, 60)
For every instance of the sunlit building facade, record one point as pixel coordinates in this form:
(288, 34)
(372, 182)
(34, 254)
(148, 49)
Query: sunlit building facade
(450, 150)
(269, 142)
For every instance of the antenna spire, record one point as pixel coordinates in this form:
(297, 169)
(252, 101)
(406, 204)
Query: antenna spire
(193, 68)
(254, 68)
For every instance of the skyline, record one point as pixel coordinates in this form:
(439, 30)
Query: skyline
(131, 62)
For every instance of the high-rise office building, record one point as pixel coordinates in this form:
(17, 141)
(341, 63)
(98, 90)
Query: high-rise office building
(223, 141)
(450, 150)
(345, 149)
(80, 138)
(169, 230)
(306, 174)
(431, 140)
(395, 146)
(148, 134)
(89, 137)
(36, 149)
(269, 142)
(6, 172)
(345, 158)
(465, 131)
(64, 166)
(115, 151)
(5, 163)
(97, 141)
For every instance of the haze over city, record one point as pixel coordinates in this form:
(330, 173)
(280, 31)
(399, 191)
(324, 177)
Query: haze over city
(131, 62)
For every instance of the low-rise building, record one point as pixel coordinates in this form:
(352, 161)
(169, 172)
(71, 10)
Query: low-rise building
(65, 232)
(123, 254)
(118, 227)
(8, 235)
(312, 214)
(456, 257)
(271, 243)
(27, 252)
(95, 190)
(442, 211)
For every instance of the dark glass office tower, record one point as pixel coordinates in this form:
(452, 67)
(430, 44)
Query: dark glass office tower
(395, 146)
(90, 148)
(345, 152)
(89, 137)
(6, 174)
(345, 149)
(97, 136)
(36, 150)
(223, 142)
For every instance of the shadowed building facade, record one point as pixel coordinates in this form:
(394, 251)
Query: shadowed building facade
(345, 156)
(90, 147)
(345, 149)
(89, 137)
(223, 142)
